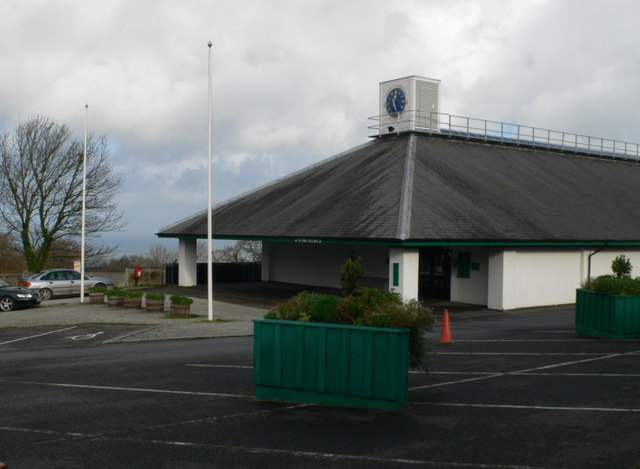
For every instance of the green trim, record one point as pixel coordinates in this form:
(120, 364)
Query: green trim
(399, 243)
(396, 274)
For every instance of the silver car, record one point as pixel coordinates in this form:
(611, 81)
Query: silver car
(61, 282)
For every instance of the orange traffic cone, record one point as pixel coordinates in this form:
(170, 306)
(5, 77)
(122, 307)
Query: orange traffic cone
(445, 337)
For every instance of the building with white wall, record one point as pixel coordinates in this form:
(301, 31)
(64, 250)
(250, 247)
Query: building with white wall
(472, 211)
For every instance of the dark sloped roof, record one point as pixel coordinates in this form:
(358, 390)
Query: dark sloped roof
(421, 187)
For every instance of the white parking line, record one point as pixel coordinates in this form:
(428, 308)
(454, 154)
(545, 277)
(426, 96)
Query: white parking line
(528, 407)
(550, 354)
(524, 372)
(197, 365)
(37, 335)
(379, 461)
(119, 388)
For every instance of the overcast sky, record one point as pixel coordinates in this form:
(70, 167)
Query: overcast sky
(294, 82)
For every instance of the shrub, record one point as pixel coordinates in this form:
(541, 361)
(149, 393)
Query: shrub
(621, 266)
(98, 290)
(181, 300)
(373, 307)
(293, 308)
(351, 274)
(115, 292)
(154, 296)
(610, 285)
(132, 293)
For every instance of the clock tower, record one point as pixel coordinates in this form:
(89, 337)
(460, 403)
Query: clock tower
(409, 103)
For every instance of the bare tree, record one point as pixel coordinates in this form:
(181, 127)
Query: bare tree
(41, 188)
(159, 255)
(241, 251)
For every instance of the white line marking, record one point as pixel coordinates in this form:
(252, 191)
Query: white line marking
(595, 375)
(118, 388)
(220, 366)
(520, 372)
(85, 336)
(527, 407)
(331, 456)
(274, 451)
(38, 335)
(550, 354)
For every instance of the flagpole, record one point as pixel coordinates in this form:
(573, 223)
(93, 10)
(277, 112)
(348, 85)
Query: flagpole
(84, 185)
(209, 217)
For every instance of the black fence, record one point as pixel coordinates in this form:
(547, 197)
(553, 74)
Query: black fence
(225, 272)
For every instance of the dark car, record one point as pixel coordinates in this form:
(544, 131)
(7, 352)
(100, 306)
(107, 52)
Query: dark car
(10, 297)
(60, 282)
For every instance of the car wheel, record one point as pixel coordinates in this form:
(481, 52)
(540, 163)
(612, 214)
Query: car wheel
(46, 294)
(99, 285)
(6, 303)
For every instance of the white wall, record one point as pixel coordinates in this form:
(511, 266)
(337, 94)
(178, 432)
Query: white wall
(319, 263)
(472, 290)
(528, 277)
(408, 264)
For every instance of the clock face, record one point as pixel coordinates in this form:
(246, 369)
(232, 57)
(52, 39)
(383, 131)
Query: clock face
(396, 102)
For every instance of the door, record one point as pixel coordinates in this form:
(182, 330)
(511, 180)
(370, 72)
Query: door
(435, 273)
(74, 282)
(58, 282)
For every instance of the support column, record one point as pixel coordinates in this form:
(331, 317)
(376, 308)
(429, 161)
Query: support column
(404, 272)
(266, 262)
(188, 263)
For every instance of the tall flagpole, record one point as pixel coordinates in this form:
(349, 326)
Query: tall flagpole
(209, 221)
(84, 190)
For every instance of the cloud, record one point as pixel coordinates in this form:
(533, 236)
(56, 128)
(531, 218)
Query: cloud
(294, 82)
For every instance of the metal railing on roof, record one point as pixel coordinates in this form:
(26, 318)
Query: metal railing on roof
(502, 132)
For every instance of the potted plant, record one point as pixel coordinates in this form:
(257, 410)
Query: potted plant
(180, 305)
(115, 298)
(132, 299)
(154, 302)
(96, 295)
(353, 350)
(609, 305)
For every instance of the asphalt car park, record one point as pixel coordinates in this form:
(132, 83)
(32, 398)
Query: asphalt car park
(513, 391)
(38, 338)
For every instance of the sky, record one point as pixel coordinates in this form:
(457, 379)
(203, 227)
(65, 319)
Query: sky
(295, 82)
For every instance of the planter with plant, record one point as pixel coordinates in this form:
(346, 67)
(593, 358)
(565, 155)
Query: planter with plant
(96, 295)
(132, 299)
(353, 350)
(154, 302)
(115, 298)
(609, 305)
(180, 306)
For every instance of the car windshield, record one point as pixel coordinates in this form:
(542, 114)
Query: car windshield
(35, 275)
(3, 283)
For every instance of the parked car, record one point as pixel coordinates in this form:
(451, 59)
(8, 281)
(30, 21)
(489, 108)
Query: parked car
(10, 297)
(61, 282)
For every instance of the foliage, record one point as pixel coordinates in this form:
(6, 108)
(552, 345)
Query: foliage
(116, 292)
(132, 293)
(181, 300)
(351, 274)
(154, 296)
(621, 266)
(372, 307)
(98, 290)
(41, 188)
(613, 285)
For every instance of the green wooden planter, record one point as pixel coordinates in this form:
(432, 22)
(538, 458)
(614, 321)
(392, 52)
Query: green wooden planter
(611, 316)
(333, 364)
